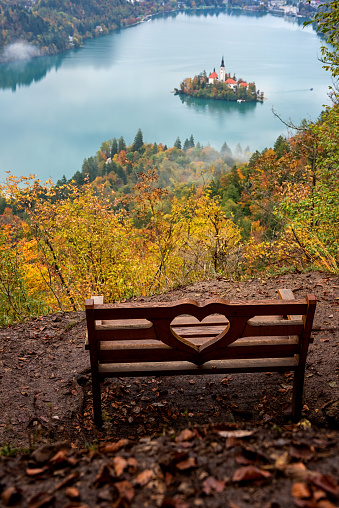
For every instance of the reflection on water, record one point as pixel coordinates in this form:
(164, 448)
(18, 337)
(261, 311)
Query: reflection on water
(210, 105)
(26, 72)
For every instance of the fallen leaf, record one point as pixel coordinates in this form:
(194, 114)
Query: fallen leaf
(114, 447)
(235, 433)
(325, 503)
(326, 482)
(119, 464)
(35, 471)
(186, 464)
(282, 461)
(185, 435)
(125, 490)
(72, 493)
(300, 489)
(250, 473)
(61, 457)
(301, 451)
(144, 477)
(213, 485)
(10, 496)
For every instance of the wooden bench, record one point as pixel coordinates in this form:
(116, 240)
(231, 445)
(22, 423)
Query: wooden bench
(211, 337)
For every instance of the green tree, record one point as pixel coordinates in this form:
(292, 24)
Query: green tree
(138, 142)
(177, 143)
(121, 144)
(225, 149)
(280, 146)
(114, 149)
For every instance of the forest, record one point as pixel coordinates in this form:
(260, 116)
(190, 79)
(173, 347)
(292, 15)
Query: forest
(143, 218)
(56, 25)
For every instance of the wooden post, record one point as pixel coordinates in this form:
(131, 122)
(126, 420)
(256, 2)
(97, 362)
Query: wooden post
(298, 383)
(94, 362)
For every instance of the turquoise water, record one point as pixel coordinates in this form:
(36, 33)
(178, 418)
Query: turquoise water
(56, 111)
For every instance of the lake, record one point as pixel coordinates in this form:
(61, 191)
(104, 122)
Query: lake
(56, 111)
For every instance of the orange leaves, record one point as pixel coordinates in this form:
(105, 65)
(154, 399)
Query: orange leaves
(314, 492)
(249, 474)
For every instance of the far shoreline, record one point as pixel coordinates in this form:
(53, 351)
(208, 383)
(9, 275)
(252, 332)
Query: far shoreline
(146, 18)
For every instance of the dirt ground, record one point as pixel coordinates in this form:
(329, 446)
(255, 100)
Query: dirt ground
(213, 441)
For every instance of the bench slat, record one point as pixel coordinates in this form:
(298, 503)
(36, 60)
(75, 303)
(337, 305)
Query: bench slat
(254, 328)
(162, 353)
(238, 308)
(187, 368)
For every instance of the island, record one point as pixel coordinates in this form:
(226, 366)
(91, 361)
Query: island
(222, 87)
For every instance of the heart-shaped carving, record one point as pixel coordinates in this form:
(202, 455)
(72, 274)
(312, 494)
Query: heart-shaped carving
(200, 332)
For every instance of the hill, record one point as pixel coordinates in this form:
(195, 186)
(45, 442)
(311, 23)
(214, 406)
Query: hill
(53, 26)
(45, 398)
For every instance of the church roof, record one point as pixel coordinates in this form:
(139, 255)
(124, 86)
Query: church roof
(243, 84)
(222, 62)
(230, 81)
(214, 75)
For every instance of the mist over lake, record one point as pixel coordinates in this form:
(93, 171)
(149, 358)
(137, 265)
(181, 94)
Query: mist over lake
(56, 111)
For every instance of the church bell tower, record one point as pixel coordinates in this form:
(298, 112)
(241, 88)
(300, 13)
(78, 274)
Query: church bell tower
(222, 70)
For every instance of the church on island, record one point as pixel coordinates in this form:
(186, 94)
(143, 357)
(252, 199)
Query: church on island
(226, 78)
(223, 87)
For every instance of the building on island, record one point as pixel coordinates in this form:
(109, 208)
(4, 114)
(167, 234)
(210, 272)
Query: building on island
(212, 77)
(224, 78)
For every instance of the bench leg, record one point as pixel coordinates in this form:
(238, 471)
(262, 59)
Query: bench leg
(96, 400)
(298, 388)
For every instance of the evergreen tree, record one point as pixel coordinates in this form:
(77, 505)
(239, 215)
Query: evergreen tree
(186, 145)
(138, 142)
(225, 149)
(177, 143)
(114, 149)
(280, 146)
(61, 182)
(121, 144)
(79, 178)
(191, 141)
(90, 168)
(238, 150)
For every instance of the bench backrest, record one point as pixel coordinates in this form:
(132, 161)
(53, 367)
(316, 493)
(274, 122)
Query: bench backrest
(199, 331)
